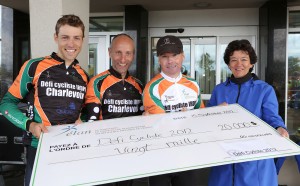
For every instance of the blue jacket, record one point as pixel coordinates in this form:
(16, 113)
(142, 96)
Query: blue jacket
(259, 98)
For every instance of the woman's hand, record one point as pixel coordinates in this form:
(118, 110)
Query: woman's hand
(283, 132)
(223, 104)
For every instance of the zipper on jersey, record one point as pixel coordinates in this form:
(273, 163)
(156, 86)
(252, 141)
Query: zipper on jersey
(238, 96)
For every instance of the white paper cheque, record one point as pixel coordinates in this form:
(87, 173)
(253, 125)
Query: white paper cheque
(134, 147)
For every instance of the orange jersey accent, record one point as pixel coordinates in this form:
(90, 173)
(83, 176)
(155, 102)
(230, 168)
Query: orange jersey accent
(108, 96)
(164, 95)
(54, 92)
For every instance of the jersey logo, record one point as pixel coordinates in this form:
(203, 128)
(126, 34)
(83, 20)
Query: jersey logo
(67, 111)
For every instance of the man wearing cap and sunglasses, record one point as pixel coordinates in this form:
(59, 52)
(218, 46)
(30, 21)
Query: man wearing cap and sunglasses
(171, 91)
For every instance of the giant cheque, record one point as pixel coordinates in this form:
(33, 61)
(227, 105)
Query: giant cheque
(134, 147)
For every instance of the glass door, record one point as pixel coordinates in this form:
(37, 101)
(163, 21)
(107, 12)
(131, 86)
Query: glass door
(293, 93)
(97, 55)
(92, 59)
(204, 55)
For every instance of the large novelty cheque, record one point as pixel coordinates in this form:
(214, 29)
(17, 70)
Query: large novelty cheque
(134, 147)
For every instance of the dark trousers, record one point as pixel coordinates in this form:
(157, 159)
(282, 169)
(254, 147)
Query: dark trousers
(30, 156)
(186, 178)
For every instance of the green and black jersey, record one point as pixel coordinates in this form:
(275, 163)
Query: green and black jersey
(54, 93)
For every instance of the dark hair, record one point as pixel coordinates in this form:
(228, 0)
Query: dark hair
(243, 45)
(71, 20)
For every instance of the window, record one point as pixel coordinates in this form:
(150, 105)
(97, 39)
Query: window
(106, 24)
(294, 19)
(6, 49)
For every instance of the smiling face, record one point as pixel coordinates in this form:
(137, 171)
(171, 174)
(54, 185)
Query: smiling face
(121, 53)
(171, 63)
(239, 63)
(69, 40)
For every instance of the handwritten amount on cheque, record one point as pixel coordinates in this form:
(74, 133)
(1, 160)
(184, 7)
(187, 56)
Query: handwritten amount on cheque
(176, 138)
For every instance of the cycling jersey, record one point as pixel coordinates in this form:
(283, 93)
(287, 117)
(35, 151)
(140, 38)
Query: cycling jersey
(54, 93)
(109, 96)
(165, 94)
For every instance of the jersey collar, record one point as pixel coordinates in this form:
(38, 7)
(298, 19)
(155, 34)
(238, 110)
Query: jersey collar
(174, 80)
(117, 74)
(57, 58)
